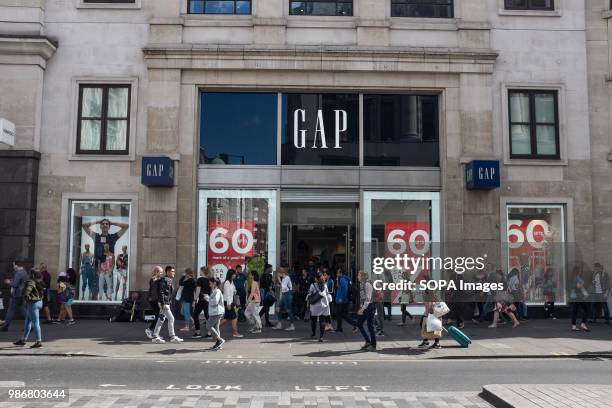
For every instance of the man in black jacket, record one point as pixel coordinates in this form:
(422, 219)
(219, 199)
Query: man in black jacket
(164, 297)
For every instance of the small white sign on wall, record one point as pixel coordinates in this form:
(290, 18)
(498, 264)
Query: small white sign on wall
(7, 132)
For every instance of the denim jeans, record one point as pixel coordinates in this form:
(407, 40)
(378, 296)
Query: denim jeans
(368, 315)
(15, 304)
(32, 320)
(186, 311)
(287, 304)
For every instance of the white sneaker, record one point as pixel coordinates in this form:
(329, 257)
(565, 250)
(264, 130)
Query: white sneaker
(279, 326)
(149, 333)
(220, 345)
(158, 340)
(175, 339)
(290, 328)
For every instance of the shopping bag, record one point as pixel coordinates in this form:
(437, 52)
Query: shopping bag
(179, 292)
(433, 323)
(440, 309)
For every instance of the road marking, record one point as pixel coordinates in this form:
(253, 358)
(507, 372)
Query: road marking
(11, 384)
(559, 353)
(112, 385)
(165, 361)
(209, 387)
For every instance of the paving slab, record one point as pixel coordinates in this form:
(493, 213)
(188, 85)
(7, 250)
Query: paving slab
(546, 395)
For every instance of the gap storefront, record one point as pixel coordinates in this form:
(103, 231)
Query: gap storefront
(290, 178)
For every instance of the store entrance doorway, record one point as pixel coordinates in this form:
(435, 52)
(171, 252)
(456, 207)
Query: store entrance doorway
(319, 234)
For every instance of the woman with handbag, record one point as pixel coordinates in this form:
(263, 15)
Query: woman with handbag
(318, 300)
(579, 296)
(435, 335)
(230, 301)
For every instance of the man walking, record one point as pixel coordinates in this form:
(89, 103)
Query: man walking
(601, 290)
(342, 300)
(366, 312)
(164, 297)
(201, 291)
(16, 302)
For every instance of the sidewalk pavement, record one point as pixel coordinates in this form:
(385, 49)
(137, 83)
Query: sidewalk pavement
(532, 339)
(540, 395)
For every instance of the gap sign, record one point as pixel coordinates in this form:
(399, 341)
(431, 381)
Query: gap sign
(157, 171)
(482, 175)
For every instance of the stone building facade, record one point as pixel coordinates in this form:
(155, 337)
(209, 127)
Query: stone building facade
(485, 62)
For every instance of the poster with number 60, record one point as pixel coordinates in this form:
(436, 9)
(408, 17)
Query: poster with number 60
(229, 242)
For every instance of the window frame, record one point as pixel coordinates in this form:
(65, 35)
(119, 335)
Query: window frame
(394, 2)
(528, 8)
(103, 119)
(336, 2)
(204, 13)
(109, 4)
(533, 125)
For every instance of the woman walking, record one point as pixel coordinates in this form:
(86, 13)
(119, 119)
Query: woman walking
(155, 275)
(33, 294)
(216, 310)
(578, 297)
(252, 310)
(229, 298)
(318, 299)
(188, 284)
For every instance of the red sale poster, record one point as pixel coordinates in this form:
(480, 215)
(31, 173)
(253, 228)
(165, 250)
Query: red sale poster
(528, 244)
(411, 238)
(229, 242)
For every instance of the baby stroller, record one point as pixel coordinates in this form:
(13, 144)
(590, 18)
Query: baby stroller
(129, 311)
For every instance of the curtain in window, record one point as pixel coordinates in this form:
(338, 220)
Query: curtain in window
(519, 117)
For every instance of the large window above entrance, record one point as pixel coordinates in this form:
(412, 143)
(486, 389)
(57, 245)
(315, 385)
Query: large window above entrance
(238, 128)
(323, 129)
(401, 130)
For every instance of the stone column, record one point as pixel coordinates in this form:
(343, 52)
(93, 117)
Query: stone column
(159, 235)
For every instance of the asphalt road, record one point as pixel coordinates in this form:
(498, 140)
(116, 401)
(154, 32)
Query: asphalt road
(251, 375)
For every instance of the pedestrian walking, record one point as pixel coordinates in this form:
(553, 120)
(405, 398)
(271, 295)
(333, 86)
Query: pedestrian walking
(152, 298)
(318, 301)
(426, 335)
(377, 300)
(33, 293)
(230, 297)
(188, 284)
(216, 311)
(366, 312)
(286, 303)
(601, 290)
(343, 292)
(202, 289)
(165, 291)
(330, 283)
(252, 309)
(387, 296)
(405, 299)
(302, 291)
(267, 294)
(549, 290)
(16, 302)
(240, 281)
(46, 282)
(578, 298)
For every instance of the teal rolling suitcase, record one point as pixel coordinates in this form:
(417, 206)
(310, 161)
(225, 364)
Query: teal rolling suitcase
(459, 336)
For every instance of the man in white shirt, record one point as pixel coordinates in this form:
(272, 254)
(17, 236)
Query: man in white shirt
(286, 299)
